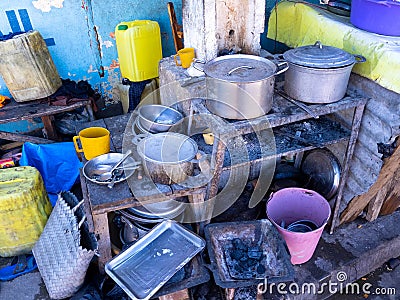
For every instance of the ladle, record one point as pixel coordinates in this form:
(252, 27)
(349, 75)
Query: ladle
(108, 175)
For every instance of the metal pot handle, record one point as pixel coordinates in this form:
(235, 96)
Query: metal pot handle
(359, 58)
(202, 158)
(238, 68)
(318, 44)
(137, 138)
(200, 62)
(283, 69)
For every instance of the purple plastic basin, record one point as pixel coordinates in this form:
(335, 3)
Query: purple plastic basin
(377, 16)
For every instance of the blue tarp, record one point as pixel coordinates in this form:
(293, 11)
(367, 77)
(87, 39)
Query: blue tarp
(57, 163)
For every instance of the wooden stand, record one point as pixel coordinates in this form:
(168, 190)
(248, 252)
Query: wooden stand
(15, 111)
(100, 200)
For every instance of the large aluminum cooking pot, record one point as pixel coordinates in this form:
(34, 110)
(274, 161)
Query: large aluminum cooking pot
(167, 157)
(241, 86)
(317, 73)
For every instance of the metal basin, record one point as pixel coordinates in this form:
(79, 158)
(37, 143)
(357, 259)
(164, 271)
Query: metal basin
(158, 118)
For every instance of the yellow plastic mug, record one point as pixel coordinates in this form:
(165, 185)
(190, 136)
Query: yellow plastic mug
(94, 141)
(186, 56)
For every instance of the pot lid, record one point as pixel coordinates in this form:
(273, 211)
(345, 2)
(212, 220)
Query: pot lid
(240, 68)
(319, 56)
(169, 147)
(324, 171)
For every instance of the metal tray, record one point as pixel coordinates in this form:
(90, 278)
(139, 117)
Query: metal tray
(219, 237)
(147, 265)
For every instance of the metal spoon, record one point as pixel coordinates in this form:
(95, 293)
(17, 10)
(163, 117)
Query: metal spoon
(101, 169)
(108, 175)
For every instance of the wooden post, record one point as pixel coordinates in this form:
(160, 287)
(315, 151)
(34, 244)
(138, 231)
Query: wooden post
(210, 26)
(355, 128)
(102, 233)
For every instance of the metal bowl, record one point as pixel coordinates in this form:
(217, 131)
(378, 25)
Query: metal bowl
(156, 118)
(91, 168)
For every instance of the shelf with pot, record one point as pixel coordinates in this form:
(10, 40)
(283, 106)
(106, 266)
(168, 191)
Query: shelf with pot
(280, 125)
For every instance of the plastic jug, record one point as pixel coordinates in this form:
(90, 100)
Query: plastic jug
(24, 209)
(27, 67)
(139, 49)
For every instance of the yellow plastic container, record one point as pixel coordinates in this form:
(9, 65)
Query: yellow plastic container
(27, 67)
(24, 209)
(139, 49)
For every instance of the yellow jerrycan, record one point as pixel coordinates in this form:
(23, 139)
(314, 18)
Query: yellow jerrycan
(24, 209)
(139, 49)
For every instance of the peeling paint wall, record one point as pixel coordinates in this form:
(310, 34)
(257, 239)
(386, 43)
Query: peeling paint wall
(82, 32)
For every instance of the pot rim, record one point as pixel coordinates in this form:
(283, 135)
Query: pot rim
(327, 68)
(158, 135)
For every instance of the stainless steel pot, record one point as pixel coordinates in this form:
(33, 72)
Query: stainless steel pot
(241, 86)
(167, 157)
(318, 74)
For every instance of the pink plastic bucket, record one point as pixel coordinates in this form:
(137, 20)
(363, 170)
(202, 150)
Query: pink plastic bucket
(293, 204)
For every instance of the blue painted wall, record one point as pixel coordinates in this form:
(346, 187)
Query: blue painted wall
(82, 31)
(78, 52)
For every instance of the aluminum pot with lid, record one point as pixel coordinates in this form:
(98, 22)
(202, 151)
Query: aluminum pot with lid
(241, 86)
(318, 73)
(167, 157)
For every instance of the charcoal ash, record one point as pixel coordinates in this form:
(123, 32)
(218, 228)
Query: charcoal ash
(245, 259)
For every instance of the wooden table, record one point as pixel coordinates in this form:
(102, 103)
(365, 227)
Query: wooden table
(100, 200)
(17, 111)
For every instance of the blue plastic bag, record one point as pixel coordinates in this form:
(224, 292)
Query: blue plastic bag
(57, 163)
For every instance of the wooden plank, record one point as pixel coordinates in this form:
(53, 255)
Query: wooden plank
(86, 205)
(392, 201)
(102, 233)
(357, 204)
(49, 128)
(283, 112)
(17, 111)
(355, 128)
(374, 206)
(179, 295)
(10, 146)
(11, 136)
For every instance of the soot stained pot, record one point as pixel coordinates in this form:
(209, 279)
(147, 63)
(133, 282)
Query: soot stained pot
(168, 157)
(241, 86)
(317, 73)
